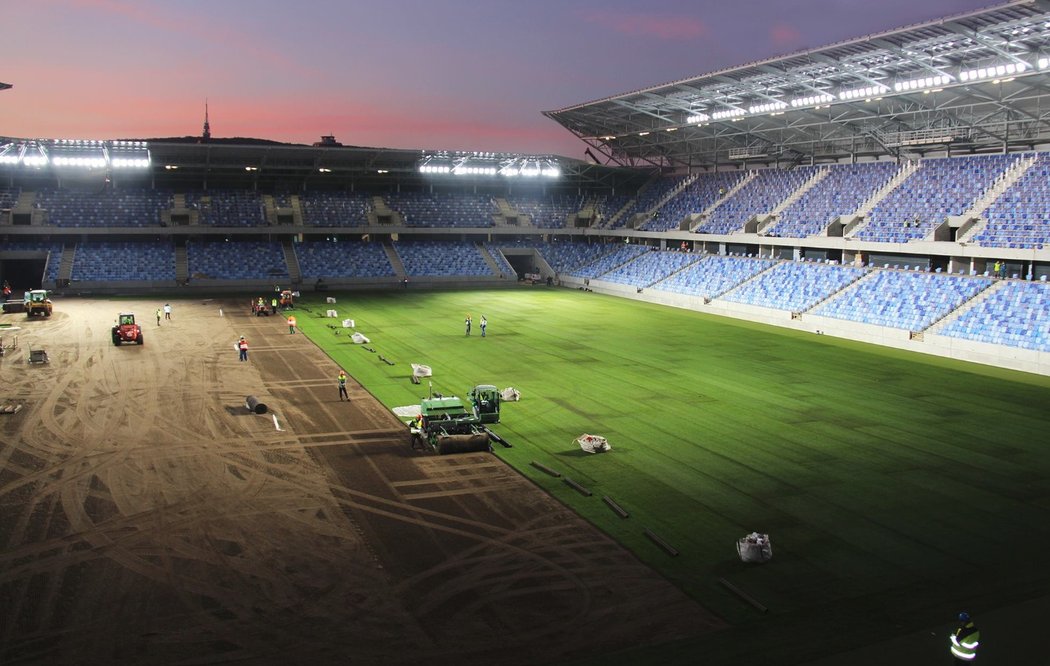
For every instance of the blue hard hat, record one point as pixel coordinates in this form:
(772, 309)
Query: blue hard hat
(964, 617)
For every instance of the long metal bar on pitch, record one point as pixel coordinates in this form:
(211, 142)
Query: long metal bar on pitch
(666, 547)
(611, 503)
(543, 468)
(743, 595)
(577, 487)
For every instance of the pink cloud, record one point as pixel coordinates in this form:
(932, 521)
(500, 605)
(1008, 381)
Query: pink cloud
(646, 25)
(783, 34)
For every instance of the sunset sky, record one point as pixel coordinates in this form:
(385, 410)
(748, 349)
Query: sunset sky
(439, 74)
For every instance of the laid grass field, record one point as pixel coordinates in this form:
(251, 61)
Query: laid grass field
(891, 484)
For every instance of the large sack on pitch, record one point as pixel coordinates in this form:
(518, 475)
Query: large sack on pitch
(359, 339)
(419, 370)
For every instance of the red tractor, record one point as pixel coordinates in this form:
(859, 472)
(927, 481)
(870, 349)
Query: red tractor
(127, 330)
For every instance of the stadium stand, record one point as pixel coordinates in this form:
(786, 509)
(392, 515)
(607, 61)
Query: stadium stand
(902, 299)
(794, 285)
(939, 188)
(103, 208)
(609, 205)
(651, 267)
(240, 260)
(1015, 315)
(328, 209)
(131, 261)
(761, 195)
(9, 196)
(695, 198)
(320, 259)
(547, 212)
(713, 275)
(442, 259)
(843, 191)
(419, 209)
(562, 257)
(501, 261)
(1020, 217)
(649, 198)
(608, 262)
(230, 208)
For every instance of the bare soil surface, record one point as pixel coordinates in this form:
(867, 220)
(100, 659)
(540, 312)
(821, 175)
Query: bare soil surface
(148, 517)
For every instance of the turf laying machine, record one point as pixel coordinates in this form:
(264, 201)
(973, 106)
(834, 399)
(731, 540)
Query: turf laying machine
(36, 302)
(448, 426)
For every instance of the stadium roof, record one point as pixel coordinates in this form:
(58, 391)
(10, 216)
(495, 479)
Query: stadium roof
(268, 164)
(978, 81)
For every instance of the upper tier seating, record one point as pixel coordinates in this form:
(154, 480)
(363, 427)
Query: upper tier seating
(694, 198)
(335, 209)
(229, 208)
(652, 195)
(547, 212)
(761, 195)
(1016, 315)
(902, 299)
(240, 260)
(107, 208)
(9, 197)
(421, 209)
(124, 261)
(794, 285)
(841, 192)
(713, 275)
(322, 259)
(608, 205)
(442, 259)
(1020, 217)
(938, 189)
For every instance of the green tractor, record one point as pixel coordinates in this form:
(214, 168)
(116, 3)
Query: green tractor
(36, 302)
(485, 399)
(446, 425)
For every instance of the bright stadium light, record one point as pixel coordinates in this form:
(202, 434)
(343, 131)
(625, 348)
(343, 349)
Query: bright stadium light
(696, 119)
(766, 108)
(813, 100)
(923, 83)
(863, 93)
(729, 113)
(997, 71)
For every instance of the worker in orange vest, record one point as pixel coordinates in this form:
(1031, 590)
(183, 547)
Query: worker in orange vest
(291, 323)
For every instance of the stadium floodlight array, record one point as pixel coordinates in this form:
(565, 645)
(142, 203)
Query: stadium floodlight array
(866, 92)
(729, 113)
(697, 118)
(489, 164)
(923, 83)
(996, 71)
(813, 100)
(766, 108)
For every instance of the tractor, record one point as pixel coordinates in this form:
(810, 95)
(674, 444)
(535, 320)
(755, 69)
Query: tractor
(448, 426)
(36, 302)
(485, 399)
(286, 299)
(127, 330)
(260, 308)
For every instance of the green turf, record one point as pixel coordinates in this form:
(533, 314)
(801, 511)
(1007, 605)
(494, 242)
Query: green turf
(885, 478)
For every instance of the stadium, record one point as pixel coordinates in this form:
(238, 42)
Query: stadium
(804, 298)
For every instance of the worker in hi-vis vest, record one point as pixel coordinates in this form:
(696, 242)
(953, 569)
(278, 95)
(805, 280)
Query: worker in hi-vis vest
(965, 640)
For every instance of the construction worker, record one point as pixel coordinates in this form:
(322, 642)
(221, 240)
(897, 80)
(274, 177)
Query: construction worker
(291, 323)
(467, 323)
(342, 387)
(167, 310)
(158, 316)
(484, 325)
(273, 305)
(964, 640)
(242, 347)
